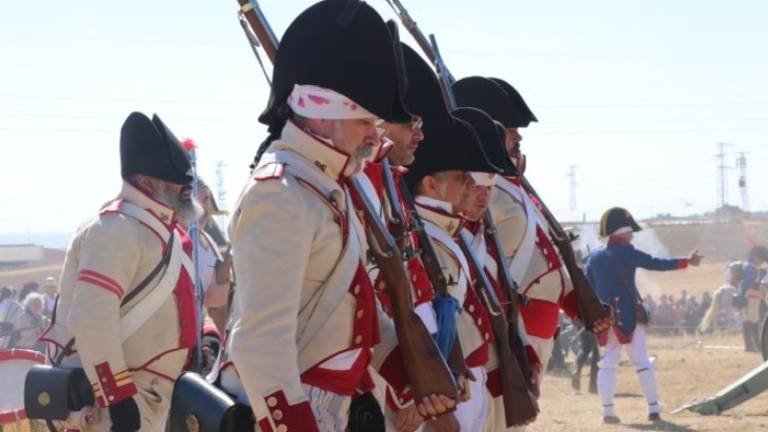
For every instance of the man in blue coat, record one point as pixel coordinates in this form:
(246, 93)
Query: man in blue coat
(611, 270)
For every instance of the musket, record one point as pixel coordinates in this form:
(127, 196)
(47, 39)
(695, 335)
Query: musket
(412, 28)
(196, 362)
(591, 309)
(398, 225)
(512, 290)
(251, 12)
(519, 404)
(425, 368)
(430, 49)
(443, 76)
(434, 271)
(401, 230)
(510, 333)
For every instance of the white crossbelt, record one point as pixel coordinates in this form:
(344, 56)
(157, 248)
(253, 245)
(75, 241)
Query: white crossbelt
(152, 302)
(518, 265)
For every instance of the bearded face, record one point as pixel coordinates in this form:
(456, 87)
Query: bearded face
(179, 198)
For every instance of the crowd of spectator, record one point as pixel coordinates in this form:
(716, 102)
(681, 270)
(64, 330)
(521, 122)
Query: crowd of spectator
(25, 313)
(677, 314)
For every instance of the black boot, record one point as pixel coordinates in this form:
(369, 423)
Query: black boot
(593, 380)
(756, 342)
(576, 380)
(748, 343)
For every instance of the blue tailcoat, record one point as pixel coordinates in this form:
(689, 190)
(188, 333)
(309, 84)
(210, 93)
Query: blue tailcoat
(603, 274)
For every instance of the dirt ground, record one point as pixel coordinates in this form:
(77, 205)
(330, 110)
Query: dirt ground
(687, 368)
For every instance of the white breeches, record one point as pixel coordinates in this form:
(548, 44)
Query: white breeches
(331, 410)
(610, 355)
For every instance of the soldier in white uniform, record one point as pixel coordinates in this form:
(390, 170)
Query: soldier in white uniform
(307, 312)
(440, 180)
(131, 343)
(424, 100)
(491, 136)
(532, 257)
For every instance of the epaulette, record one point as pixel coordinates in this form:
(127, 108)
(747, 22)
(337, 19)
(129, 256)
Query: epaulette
(111, 207)
(269, 171)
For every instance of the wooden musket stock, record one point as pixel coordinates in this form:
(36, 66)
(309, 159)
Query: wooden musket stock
(510, 287)
(425, 368)
(519, 404)
(591, 309)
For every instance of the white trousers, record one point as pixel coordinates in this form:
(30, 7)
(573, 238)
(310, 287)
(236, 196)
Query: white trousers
(331, 410)
(610, 355)
(497, 420)
(471, 414)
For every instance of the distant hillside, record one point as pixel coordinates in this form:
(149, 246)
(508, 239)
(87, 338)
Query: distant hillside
(718, 242)
(50, 240)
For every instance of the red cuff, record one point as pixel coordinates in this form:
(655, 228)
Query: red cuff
(533, 358)
(393, 372)
(285, 417)
(682, 263)
(112, 388)
(399, 401)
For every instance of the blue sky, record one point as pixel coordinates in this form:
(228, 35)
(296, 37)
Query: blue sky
(637, 95)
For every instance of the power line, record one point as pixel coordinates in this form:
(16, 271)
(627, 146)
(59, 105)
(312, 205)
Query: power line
(572, 187)
(722, 185)
(221, 191)
(129, 99)
(741, 164)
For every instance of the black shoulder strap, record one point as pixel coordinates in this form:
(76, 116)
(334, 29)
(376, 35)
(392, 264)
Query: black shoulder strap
(151, 276)
(624, 280)
(67, 350)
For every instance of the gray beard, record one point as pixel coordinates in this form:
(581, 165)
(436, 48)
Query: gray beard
(187, 210)
(357, 160)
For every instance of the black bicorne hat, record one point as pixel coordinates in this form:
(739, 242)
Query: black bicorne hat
(344, 46)
(450, 147)
(148, 147)
(615, 218)
(491, 138)
(517, 98)
(423, 97)
(485, 94)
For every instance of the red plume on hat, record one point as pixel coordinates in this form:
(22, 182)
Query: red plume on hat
(188, 144)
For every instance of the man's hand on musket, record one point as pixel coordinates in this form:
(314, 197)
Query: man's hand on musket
(408, 419)
(602, 324)
(435, 405)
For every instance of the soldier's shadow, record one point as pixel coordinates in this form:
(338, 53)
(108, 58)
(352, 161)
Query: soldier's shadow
(661, 425)
(628, 395)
